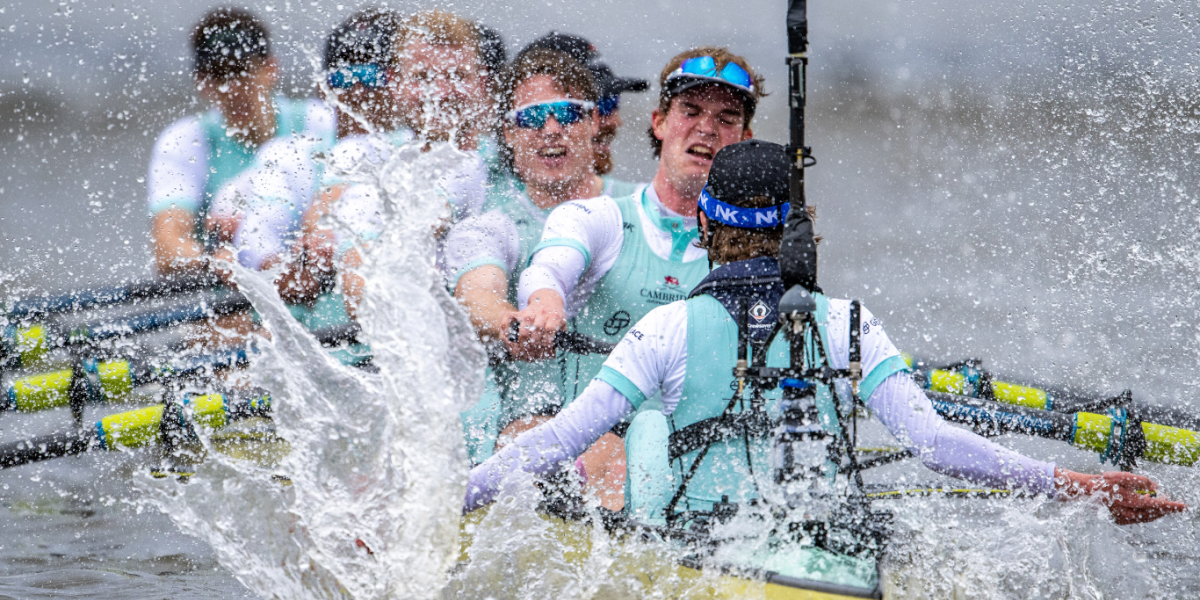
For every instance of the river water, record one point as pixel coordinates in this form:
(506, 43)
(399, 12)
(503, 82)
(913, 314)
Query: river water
(1015, 185)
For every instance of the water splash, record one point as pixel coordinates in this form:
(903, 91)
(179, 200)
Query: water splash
(377, 464)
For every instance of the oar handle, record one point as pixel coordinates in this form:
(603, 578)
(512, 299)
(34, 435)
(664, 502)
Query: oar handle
(578, 343)
(568, 341)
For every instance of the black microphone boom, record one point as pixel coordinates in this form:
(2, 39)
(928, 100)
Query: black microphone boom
(798, 252)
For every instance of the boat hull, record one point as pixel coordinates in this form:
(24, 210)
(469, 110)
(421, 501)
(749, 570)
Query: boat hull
(661, 569)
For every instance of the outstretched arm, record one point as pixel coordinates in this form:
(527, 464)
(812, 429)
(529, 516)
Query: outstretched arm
(483, 291)
(551, 444)
(910, 416)
(580, 243)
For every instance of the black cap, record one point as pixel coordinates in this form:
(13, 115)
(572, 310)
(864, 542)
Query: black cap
(365, 37)
(226, 41)
(749, 169)
(586, 54)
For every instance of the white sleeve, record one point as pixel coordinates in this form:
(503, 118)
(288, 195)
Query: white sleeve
(557, 268)
(552, 444)
(320, 120)
(178, 168)
(358, 212)
(234, 197)
(949, 450)
(466, 188)
(591, 229)
(488, 239)
(270, 219)
(875, 345)
(651, 358)
(910, 416)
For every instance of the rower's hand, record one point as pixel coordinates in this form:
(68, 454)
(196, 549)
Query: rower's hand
(539, 322)
(1130, 498)
(220, 266)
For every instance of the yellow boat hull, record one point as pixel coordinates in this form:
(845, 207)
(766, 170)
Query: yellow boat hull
(671, 577)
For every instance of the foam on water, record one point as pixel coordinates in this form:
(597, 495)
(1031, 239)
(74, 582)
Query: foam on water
(377, 464)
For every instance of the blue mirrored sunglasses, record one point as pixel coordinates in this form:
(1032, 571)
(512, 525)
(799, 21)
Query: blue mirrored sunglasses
(705, 67)
(370, 75)
(566, 112)
(608, 105)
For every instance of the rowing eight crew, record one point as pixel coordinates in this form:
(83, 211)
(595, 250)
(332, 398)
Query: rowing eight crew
(241, 183)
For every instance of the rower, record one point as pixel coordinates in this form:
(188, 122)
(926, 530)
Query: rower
(444, 76)
(278, 190)
(236, 73)
(547, 99)
(608, 107)
(605, 262)
(687, 350)
(614, 259)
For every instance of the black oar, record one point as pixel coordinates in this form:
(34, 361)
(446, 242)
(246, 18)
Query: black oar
(23, 346)
(1117, 438)
(95, 298)
(968, 378)
(138, 428)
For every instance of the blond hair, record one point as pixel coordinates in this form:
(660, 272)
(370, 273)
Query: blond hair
(438, 27)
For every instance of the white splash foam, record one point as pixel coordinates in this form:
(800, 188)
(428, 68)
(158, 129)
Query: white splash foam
(377, 461)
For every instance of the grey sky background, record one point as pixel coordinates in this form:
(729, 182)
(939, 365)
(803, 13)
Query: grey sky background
(74, 50)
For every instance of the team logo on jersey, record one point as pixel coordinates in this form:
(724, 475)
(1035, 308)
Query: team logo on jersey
(617, 322)
(759, 311)
(667, 292)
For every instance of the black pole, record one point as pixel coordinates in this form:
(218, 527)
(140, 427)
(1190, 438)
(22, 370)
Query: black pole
(798, 253)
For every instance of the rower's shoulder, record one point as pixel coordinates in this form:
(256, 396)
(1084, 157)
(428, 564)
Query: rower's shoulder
(666, 317)
(320, 120)
(185, 132)
(599, 211)
(588, 206)
(490, 223)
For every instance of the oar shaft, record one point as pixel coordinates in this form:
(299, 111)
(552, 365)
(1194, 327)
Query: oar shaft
(22, 346)
(67, 443)
(94, 298)
(136, 428)
(1105, 434)
(972, 381)
(228, 304)
(993, 418)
